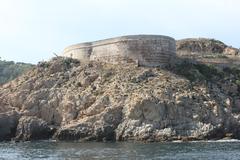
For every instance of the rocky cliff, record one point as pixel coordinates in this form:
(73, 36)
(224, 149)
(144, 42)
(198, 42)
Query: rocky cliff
(66, 99)
(69, 100)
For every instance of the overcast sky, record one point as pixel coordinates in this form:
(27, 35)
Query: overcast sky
(31, 30)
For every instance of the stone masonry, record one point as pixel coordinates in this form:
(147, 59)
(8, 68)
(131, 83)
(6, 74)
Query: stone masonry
(145, 50)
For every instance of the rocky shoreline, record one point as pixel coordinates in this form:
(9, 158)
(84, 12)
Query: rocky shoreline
(65, 99)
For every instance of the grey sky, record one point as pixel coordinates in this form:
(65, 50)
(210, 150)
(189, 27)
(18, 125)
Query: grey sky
(31, 30)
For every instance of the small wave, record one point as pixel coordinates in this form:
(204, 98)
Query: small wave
(177, 141)
(228, 140)
(207, 141)
(220, 140)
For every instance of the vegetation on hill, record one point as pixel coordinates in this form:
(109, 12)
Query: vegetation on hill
(9, 70)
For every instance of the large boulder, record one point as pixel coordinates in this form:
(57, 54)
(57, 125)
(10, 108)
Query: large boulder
(98, 127)
(33, 128)
(8, 125)
(230, 51)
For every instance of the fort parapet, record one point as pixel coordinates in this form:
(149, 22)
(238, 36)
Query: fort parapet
(145, 50)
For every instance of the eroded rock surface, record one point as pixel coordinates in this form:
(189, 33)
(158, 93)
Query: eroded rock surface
(201, 45)
(8, 125)
(32, 128)
(70, 100)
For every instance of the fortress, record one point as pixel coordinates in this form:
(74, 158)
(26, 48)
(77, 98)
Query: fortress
(144, 50)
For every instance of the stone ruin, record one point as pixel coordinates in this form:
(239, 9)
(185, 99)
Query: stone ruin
(144, 50)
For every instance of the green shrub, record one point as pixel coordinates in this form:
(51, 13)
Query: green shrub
(10, 70)
(199, 72)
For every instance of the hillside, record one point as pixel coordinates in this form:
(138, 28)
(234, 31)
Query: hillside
(208, 51)
(9, 70)
(97, 101)
(66, 99)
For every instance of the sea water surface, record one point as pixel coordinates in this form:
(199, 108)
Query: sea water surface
(121, 150)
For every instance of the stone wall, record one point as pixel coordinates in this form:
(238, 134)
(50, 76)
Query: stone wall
(146, 50)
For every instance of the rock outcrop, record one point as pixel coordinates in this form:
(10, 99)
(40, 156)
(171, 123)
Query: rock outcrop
(205, 46)
(32, 128)
(208, 51)
(66, 99)
(8, 125)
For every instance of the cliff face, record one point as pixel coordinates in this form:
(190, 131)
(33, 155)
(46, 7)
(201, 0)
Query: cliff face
(66, 99)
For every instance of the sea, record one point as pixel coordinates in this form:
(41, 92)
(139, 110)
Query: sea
(205, 150)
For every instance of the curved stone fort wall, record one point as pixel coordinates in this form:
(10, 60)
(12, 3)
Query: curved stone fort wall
(145, 50)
